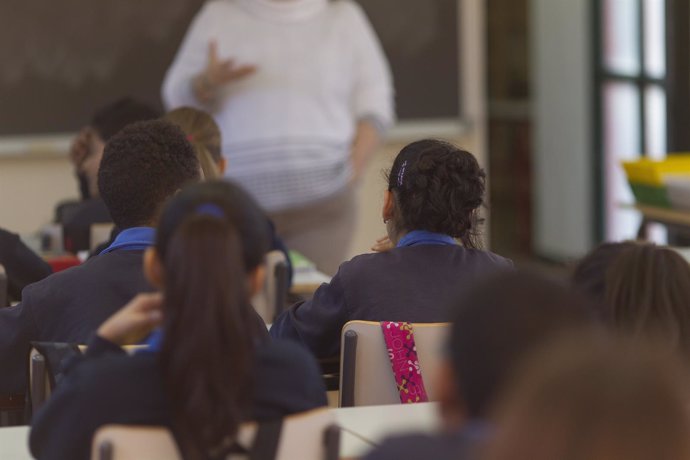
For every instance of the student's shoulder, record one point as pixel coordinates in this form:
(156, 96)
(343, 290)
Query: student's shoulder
(490, 258)
(7, 236)
(9, 242)
(62, 278)
(67, 282)
(411, 446)
(369, 259)
(415, 446)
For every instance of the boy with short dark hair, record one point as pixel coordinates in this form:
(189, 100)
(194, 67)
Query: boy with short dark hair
(86, 154)
(142, 166)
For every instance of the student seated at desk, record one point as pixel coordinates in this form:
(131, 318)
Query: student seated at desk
(497, 323)
(86, 154)
(142, 166)
(204, 134)
(211, 365)
(22, 265)
(434, 194)
(646, 292)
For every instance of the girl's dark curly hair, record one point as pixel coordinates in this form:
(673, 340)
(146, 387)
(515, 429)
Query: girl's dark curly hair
(439, 188)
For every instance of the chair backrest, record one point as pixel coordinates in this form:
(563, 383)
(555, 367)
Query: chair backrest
(270, 301)
(310, 435)
(40, 382)
(366, 376)
(100, 233)
(4, 299)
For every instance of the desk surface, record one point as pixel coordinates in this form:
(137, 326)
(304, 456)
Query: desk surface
(363, 427)
(14, 443)
(663, 215)
(306, 282)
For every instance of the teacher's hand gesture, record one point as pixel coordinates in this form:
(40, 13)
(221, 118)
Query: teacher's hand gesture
(218, 72)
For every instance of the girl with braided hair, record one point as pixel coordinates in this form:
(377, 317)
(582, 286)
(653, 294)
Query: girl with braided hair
(431, 210)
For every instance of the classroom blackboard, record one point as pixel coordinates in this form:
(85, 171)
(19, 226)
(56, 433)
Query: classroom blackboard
(59, 60)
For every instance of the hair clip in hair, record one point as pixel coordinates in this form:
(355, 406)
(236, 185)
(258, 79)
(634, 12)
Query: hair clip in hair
(401, 173)
(210, 209)
(190, 138)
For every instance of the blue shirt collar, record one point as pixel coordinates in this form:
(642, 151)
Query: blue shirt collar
(133, 239)
(154, 341)
(419, 237)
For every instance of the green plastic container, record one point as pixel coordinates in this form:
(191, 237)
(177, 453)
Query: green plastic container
(650, 195)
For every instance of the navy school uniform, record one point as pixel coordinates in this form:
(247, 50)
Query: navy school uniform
(70, 305)
(463, 444)
(107, 386)
(414, 282)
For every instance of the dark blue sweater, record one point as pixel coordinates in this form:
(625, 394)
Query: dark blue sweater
(66, 307)
(414, 284)
(107, 386)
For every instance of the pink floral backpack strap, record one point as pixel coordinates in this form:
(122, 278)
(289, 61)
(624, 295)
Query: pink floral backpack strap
(402, 353)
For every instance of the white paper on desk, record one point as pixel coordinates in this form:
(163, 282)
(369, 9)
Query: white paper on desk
(309, 277)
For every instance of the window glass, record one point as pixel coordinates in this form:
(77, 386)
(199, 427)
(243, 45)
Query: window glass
(655, 121)
(654, 18)
(621, 33)
(621, 142)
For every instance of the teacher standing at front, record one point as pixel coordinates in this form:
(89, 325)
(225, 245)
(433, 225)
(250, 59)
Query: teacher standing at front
(302, 93)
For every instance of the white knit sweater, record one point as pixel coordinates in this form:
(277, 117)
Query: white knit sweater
(287, 128)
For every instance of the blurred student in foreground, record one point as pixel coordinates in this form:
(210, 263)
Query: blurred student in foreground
(210, 365)
(592, 399)
(496, 324)
(645, 291)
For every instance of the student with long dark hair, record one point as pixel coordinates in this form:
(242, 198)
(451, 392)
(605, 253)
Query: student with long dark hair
(431, 211)
(209, 365)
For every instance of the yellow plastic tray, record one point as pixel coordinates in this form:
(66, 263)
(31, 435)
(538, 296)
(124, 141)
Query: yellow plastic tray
(651, 172)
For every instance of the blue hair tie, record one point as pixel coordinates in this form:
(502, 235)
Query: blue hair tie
(210, 209)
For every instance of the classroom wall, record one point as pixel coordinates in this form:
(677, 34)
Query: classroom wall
(563, 185)
(30, 186)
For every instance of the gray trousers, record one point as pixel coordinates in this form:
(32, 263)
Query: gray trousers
(321, 231)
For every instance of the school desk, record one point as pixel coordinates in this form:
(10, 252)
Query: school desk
(673, 218)
(363, 428)
(305, 283)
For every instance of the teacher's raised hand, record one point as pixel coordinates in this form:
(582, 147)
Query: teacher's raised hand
(218, 73)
